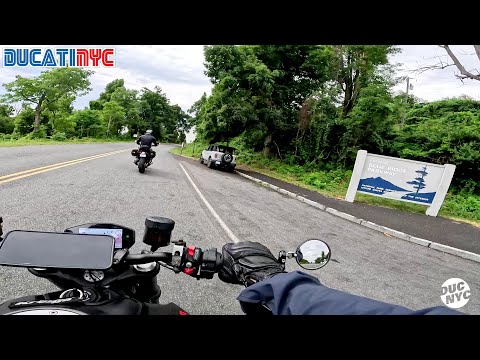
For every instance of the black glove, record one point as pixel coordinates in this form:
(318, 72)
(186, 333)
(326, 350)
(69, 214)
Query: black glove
(247, 263)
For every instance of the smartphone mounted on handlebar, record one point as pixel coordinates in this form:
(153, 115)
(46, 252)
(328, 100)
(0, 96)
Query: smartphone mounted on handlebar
(56, 250)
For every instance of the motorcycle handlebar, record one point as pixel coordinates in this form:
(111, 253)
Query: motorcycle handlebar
(192, 261)
(134, 259)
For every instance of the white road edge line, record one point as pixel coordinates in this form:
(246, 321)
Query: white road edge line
(398, 234)
(229, 232)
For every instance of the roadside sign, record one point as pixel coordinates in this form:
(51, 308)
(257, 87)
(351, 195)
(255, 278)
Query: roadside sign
(400, 179)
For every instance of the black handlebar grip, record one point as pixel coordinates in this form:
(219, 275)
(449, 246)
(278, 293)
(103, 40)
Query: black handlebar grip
(212, 262)
(150, 257)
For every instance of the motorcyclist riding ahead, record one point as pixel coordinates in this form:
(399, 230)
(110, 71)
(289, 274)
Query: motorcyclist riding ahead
(147, 139)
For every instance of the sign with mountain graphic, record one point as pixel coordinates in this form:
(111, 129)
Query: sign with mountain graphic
(399, 179)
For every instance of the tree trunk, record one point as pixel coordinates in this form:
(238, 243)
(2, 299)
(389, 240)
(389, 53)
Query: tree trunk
(266, 149)
(352, 86)
(54, 119)
(296, 142)
(349, 100)
(108, 127)
(38, 114)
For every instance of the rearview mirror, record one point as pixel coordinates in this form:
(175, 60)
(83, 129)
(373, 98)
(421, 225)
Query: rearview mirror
(313, 254)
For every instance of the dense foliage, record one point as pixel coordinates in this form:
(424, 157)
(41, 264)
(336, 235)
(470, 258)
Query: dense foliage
(310, 106)
(316, 106)
(46, 109)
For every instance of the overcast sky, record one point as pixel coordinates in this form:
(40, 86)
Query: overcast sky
(178, 70)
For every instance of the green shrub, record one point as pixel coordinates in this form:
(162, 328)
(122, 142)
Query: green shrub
(39, 134)
(59, 136)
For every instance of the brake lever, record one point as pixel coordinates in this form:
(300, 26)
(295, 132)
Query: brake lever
(176, 270)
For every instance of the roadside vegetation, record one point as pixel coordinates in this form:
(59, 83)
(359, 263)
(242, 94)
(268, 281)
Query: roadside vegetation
(296, 112)
(6, 141)
(39, 110)
(459, 206)
(301, 113)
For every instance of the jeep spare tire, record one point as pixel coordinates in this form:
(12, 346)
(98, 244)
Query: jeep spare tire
(227, 158)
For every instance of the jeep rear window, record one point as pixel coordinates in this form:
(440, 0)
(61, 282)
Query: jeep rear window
(224, 149)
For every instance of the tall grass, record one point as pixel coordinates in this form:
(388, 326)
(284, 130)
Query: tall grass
(458, 205)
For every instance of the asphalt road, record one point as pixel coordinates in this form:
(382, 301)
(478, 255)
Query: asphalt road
(434, 228)
(110, 189)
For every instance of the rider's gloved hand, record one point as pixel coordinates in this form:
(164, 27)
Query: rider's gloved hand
(247, 263)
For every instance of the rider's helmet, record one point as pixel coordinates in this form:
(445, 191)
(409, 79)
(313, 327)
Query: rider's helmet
(149, 132)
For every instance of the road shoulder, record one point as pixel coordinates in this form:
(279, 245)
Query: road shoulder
(434, 232)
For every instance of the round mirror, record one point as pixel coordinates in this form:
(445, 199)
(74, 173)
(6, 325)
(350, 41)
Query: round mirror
(313, 254)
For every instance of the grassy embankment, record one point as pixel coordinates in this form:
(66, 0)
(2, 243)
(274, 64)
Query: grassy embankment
(459, 206)
(29, 142)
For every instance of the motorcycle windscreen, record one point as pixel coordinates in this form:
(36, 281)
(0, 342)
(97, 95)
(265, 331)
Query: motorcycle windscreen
(57, 250)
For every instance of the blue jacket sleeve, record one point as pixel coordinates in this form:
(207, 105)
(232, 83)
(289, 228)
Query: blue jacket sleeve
(297, 293)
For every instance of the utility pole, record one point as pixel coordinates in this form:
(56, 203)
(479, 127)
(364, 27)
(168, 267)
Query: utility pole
(405, 103)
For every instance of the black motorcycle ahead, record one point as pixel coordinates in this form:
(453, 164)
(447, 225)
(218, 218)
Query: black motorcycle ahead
(144, 156)
(96, 274)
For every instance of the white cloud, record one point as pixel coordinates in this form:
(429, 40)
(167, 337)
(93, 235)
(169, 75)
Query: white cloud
(179, 71)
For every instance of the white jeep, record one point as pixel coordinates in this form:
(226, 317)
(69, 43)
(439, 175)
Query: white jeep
(219, 156)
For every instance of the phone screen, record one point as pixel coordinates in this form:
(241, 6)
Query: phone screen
(116, 233)
(57, 250)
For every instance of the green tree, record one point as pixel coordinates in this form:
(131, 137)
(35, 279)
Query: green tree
(88, 122)
(320, 130)
(369, 124)
(7, 121)
(195, 110)
(49, 87)
(352, 66)
(128, 100)
(24, 120)
(58, 113)
(446, 131)
(106, 95)
(113, 116)
(241, 98)
(156, 114)
(182, 123)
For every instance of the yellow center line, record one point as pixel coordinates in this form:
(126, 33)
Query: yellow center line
(43, 169)
(60, 163)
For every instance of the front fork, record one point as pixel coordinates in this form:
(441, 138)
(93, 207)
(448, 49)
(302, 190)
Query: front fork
(143, 287)
(145, 290)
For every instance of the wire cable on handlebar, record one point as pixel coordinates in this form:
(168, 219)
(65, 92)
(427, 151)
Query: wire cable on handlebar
(169, 266)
